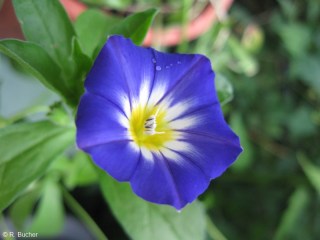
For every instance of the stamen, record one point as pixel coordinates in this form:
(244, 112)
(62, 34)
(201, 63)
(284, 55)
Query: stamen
(151, 124)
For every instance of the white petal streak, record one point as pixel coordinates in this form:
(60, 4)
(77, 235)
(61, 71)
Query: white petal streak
(134, 146)
(144, 92)
(157, 93)
(147, 154)
(125, 104)
(182, 147)
(179, 146)
(186, 122)
(123, 121)
(177, 110)
(171, 155)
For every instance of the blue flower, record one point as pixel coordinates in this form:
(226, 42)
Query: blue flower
(154, 119)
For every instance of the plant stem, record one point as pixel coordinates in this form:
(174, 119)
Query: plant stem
(213, 231)
(83, 215)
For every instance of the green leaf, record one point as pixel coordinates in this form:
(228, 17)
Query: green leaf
(144, 221)
(83, 64)
(91, 28)
(307, 68)
(37, 62)
(296, 46)
(46, 23)
(289, 225)
(312, 171)
(49, 216)
(81, 171)
(27, 149)
(224, 89)
(244, 61)
(114, 4)
(135, 26)
(22, 208)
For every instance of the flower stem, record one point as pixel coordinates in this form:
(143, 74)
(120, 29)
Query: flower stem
(213, 231)
(83, 215)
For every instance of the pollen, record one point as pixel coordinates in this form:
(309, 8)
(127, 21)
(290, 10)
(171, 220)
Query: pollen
(149, 128)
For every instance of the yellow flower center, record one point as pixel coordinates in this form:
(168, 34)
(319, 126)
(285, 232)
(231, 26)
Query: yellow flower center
(149, 128)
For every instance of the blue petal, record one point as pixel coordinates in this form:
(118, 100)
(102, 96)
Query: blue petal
(118, 158)
(119, 70)
(189, 77)
(98, 122)
(166, 181)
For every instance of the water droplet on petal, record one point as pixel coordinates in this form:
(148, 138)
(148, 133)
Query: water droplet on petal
(171, 64)
(179, 62)
(167, 66)
(154, 60)
(158, 68)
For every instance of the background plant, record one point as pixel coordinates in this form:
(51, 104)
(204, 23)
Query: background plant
(266, 55)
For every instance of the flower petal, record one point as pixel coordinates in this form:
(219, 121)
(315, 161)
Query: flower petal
(99, 122)
(168, 181)
(190, 80)
(120, 69)
(118, 158)
(180, 87)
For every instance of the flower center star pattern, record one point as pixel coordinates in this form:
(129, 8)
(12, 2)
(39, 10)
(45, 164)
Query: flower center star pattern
(153, 119)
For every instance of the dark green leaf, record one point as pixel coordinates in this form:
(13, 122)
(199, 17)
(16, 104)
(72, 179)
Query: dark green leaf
(135, 26)
(27, 150)
(289, 225)
(307, 68)
(311, 170)
(144, 221)
(46, 23)
(37, 62)
(83, 64)
(91, 28)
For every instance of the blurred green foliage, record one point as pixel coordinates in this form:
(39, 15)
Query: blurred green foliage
(266, 55)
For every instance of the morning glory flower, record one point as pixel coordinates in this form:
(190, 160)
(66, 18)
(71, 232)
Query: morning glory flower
(153, 119)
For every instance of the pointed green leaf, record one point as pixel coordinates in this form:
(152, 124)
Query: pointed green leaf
(27, 149)
(144, 221)
(46, 23)
(135, 26)
(91, 28)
